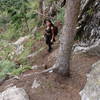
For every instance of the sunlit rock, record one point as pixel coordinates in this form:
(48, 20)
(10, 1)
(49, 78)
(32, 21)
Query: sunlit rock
(14, 93)
(35, 84)
(91, 90)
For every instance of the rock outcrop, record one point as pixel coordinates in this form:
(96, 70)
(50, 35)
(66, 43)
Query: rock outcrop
(89, 21)
(14, 93)
(89, 28)
(91, 90)
(93, 50)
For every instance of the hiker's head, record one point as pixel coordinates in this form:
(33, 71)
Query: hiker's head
(48, 22)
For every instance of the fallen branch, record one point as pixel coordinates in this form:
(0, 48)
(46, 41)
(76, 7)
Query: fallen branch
(40, 13)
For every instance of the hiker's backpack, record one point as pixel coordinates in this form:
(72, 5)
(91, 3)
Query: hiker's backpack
(55, 30)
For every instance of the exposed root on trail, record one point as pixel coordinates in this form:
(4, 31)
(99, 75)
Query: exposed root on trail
(49, 69)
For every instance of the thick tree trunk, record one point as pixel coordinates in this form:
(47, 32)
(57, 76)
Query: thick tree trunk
(67, 38)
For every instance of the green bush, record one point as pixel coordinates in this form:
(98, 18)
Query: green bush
(6, 49)
(60, 15)
(20, 70)
(38, 35)
(6, 66)
(10, 34)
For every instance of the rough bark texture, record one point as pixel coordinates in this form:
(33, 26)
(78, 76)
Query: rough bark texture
(67, 37)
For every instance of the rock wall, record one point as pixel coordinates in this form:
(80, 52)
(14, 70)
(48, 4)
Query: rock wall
(89, 28)
(89, 22)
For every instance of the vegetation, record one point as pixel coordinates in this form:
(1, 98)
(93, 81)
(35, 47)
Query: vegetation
(19, 18)
(56, 37)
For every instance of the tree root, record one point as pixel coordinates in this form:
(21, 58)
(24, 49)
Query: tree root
(49, 69)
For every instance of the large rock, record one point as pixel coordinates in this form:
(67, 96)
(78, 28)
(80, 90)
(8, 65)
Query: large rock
(19, 44)
(19, 49)
(89, 28)
(89, 23)
(21, 40)
(91, 90)
(90, 50)
(14, 93)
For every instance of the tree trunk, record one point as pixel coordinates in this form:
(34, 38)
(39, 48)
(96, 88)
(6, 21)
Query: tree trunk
(41, 8)
(67, 38)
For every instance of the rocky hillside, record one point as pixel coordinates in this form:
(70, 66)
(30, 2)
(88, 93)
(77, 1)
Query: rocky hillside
(89, 28)
(89, 21)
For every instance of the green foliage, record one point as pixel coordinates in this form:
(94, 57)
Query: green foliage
(38, 35)
(5, 49)
(20, 17)
(29, 43)
(4, 20)
(34, 5)
(6, 66)
(10, 34)
(50, 1)
(17, 10)
(60, 15)
(22, 58)
(20, 70)
(90, 11)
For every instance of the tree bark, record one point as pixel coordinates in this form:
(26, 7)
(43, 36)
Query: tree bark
(62, 64)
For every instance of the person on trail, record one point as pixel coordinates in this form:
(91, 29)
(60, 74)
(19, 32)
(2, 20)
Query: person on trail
(50, 33)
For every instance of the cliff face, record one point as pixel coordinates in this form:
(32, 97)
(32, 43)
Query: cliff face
(89, 28)
(89, 21)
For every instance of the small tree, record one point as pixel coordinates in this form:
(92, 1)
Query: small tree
(62, 65)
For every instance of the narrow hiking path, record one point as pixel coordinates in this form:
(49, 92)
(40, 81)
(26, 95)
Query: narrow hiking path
(23, 51)
(52, 86)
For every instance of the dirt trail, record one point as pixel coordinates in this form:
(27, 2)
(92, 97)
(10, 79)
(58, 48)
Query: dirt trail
(54, 87)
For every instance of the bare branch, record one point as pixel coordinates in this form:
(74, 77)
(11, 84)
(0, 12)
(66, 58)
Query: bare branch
(63, 3)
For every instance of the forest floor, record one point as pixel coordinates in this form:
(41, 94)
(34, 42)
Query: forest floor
(52, 86)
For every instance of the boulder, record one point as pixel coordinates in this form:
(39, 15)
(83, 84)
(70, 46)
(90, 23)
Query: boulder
(19, 49)
(21, 40)
(14, 93)
(90, 50)
(91, 90)
(35, 84)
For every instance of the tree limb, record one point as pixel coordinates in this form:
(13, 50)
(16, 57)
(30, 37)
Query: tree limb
(63, 3)
(39, 13)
